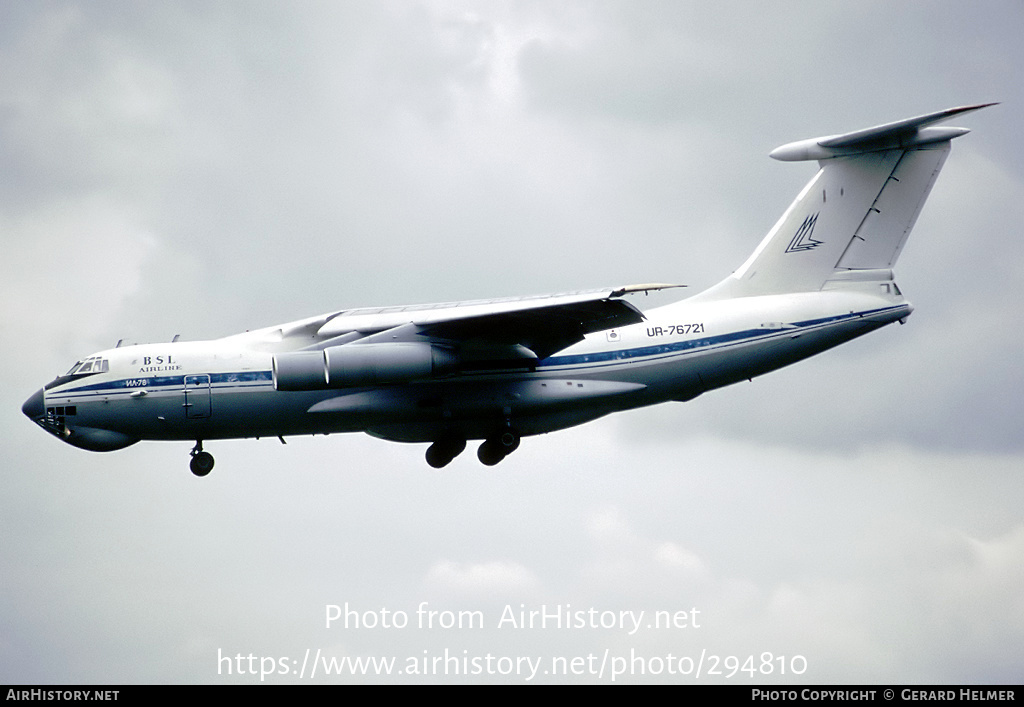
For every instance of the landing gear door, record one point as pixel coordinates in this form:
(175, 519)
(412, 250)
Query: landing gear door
(197, 396)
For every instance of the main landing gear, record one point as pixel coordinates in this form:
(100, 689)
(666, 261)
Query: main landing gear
(496, 448)
(202, 462)
(491, 451)
(441, 452)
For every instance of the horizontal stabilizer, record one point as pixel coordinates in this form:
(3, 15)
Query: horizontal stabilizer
(903, 134)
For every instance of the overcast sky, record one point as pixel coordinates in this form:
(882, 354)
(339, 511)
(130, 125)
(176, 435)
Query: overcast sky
(202, 168)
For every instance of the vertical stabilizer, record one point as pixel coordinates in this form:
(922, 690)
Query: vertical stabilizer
(857, 211)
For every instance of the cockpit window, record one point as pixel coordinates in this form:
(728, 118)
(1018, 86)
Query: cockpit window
(89, 365)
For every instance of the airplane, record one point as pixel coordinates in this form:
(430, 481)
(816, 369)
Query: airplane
(498, 370)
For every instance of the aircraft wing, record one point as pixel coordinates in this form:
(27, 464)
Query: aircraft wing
(543, 330)
(543, 324)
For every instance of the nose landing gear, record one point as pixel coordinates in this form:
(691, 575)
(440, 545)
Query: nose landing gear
(202, 462)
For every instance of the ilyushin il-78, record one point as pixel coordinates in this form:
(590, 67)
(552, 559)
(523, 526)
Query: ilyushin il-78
(499, 370)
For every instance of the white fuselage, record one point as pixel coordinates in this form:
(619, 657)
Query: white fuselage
(225, 389)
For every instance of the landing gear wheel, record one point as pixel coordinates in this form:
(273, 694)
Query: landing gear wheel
(491, 452)
(202, 462)
(441, 452)
(436, 457)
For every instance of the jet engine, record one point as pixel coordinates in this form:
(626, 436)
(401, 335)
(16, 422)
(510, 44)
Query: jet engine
(358, 365)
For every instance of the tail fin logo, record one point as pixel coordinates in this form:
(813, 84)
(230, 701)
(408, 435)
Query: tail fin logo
(802, 239)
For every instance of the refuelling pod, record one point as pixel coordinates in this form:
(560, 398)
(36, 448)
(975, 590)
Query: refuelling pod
(358, 365)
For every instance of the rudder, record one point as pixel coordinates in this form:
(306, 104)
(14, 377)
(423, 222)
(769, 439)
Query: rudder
(878, 241)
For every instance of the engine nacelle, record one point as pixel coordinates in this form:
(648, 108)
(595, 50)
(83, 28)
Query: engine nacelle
(301, 370)
(356, 365)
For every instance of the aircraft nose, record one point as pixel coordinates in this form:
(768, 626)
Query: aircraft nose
(34, 407)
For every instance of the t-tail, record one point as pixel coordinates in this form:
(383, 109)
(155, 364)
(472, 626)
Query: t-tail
(851, 221)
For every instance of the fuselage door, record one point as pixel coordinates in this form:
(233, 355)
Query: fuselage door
(197, 395)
